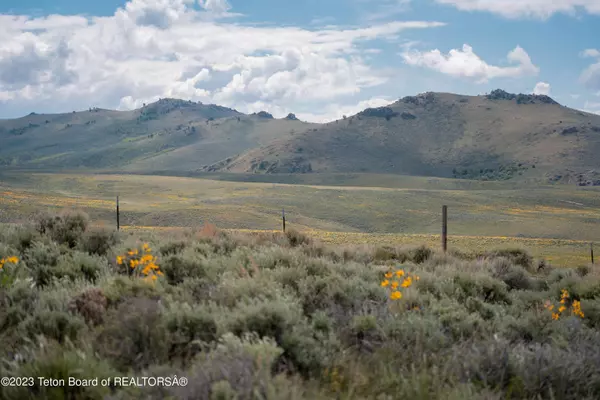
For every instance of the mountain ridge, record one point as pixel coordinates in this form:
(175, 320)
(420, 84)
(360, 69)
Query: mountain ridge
(498, 135)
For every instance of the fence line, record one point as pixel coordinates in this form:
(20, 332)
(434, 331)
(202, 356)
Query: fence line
(444, 227)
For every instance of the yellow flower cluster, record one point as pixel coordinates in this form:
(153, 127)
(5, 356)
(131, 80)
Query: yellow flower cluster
(396, 280)
(142, 262)
(7, 260)
(564, 298)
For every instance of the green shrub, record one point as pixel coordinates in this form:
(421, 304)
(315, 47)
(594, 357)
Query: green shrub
(56, 325)
(296, 238)
(98, 241)
(53, 361)
(65, 228)
(515, 255)
(189, 329)
(134, 336)
(481, 286)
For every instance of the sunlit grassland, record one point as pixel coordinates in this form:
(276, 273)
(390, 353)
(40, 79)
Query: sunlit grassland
(555, 222)
(558, 252)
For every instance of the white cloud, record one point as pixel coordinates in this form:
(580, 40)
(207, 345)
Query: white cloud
(541, 9)
(336, 111)
(542, 88)
(593, 108)
(167, 48)
(590, 77)
(594, 53)
(217, 6)
(466, 64)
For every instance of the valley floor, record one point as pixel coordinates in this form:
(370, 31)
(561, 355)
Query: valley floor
(554, 222)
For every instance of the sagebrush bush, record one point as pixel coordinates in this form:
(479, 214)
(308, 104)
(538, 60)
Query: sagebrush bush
(98, 241)
(65, 228)
(274, 315)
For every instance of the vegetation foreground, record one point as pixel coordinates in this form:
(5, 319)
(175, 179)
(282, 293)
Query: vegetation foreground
(274, 316)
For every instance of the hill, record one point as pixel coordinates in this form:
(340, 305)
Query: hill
(495, 136)
(491, 137)
(170, 134)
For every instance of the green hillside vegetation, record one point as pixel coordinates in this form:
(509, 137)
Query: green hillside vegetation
(497, 136)
(273, 316)
(170, 134)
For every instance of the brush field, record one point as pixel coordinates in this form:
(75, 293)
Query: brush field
(260, 315)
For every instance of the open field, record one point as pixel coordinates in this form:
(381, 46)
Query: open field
(412, 206)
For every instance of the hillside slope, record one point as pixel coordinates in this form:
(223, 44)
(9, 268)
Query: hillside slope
(495, 136)
(169, 134)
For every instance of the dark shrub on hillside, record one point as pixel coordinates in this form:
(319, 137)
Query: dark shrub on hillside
(21, 238)
(514, 276)
(56, 325)
(134, 335)
(421, 254)
(533, 370)
(296, 238)
(98, 241)
(583, 270)
(516, 256)
(172, 248)
(65, 228)
(91, 305)
(189, 330)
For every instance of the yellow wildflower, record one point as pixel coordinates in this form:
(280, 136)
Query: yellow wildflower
(385, 283)
(400, 273)
(561, 309)
(394, 285)
(555, 316)
(120, 260)
(396, 295)
(388, 275)
(407, 282)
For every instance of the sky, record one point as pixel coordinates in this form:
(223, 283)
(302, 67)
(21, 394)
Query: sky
(317, 59)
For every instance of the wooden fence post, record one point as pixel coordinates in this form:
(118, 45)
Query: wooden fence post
(445, 228)
(118, 220)
(592, 252)
(283, 218)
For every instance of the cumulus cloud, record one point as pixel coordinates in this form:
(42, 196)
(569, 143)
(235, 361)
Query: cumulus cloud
(542, 88)
(541, 9)
(169, 48)
(466, 64)
(590, 77)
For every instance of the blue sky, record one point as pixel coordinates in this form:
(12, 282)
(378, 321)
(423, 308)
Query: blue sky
(318, 59)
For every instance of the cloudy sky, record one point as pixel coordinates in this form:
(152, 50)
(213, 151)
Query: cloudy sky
(319, 59)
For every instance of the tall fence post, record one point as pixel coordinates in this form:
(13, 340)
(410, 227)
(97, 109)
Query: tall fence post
(445, 228)
(118, 216)
(592, 252)
(283, 218)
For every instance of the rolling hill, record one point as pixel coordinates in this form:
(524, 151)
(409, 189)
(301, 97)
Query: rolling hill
(170, 134)
(494, 136)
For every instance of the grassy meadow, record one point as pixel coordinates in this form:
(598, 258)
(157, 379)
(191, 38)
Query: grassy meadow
(554, 222)
(259, 315)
